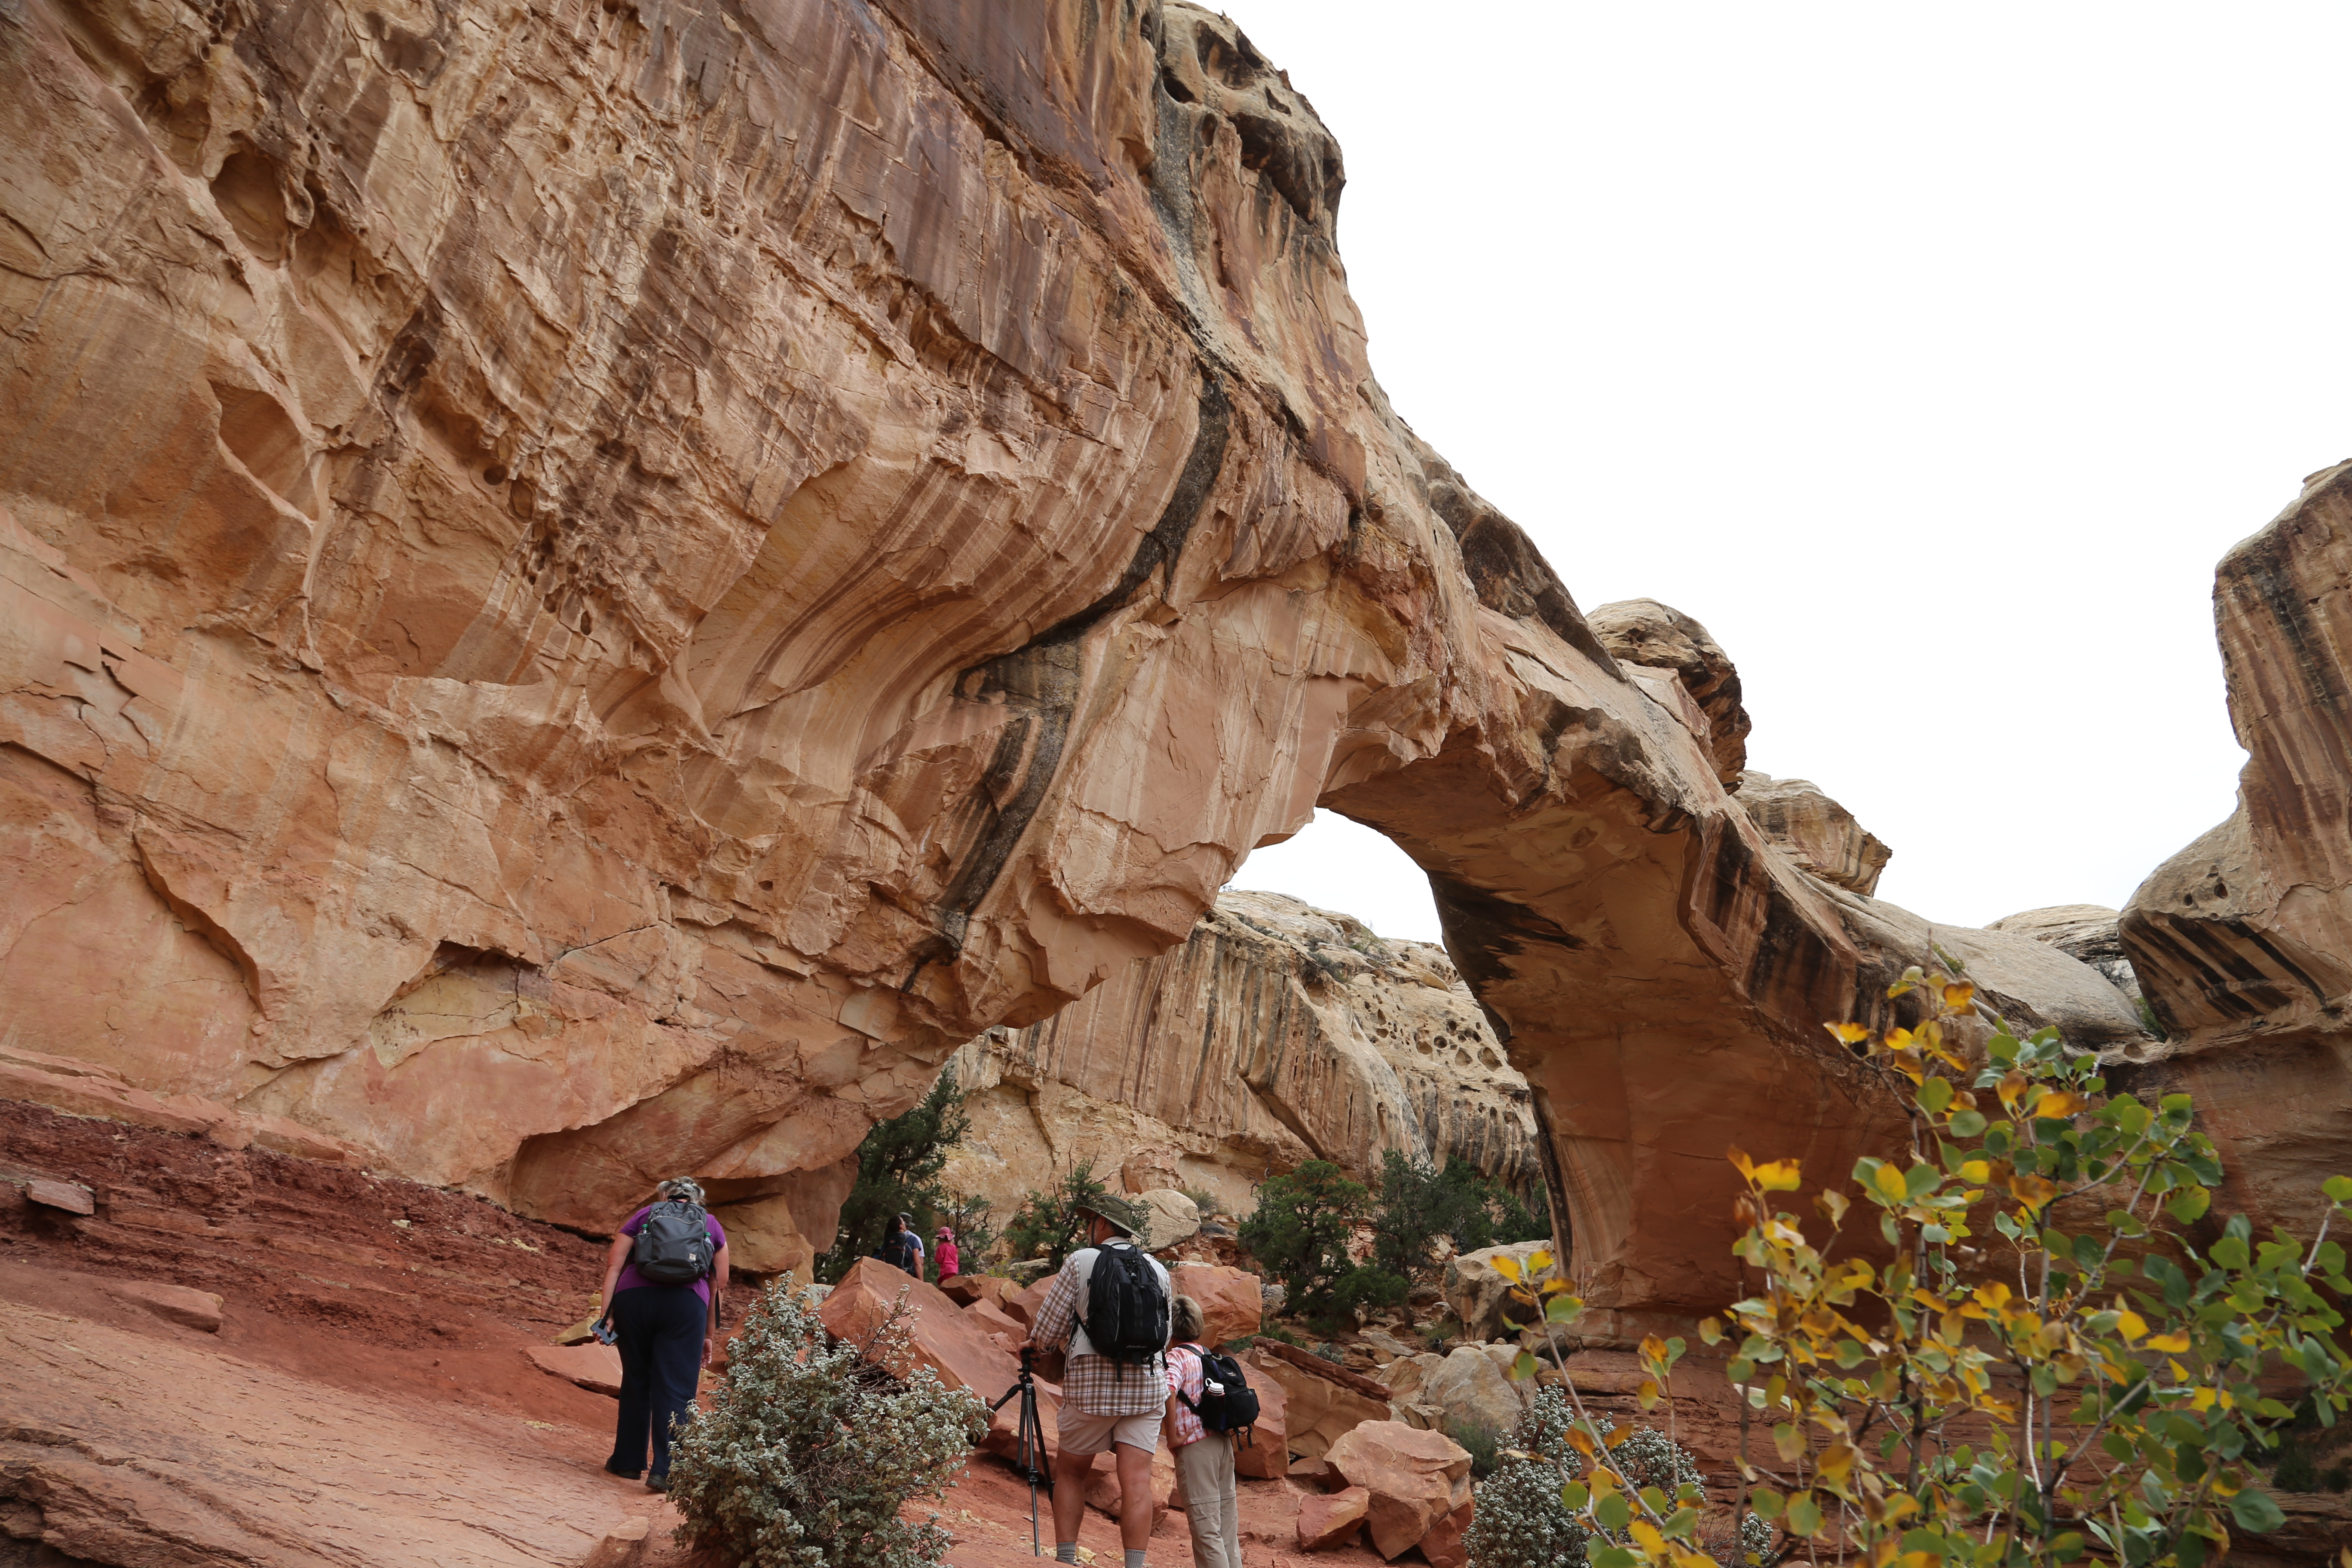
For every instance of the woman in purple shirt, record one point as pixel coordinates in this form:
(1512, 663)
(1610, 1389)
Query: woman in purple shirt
(665, 1334)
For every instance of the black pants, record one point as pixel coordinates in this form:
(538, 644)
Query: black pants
(658, 1330)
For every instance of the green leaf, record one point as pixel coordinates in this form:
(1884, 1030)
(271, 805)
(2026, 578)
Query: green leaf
(2257, 1511)
(1767, 1503)
(2067, 1547)
(1804, 1516)
(1524, 1367)
(1613, 1512)
(2337, 1188)
(1574, 1496)
(1935, 1094)
(1615, 1557)
(1562, 1309)
(1968, 1124)
(2189, 1203)
(2231, 1252)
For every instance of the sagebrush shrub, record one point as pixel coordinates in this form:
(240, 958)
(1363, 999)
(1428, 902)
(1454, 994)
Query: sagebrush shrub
(809, 1449)
(1522, 1521)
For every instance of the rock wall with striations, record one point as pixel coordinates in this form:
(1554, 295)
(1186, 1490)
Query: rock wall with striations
(594, 586)
(1279, 1033)
(2242, 941)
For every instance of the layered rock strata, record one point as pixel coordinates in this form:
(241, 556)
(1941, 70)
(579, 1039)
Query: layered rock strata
(1279, 1033)
(593, 587)
(1817, 832)
(2244, 940)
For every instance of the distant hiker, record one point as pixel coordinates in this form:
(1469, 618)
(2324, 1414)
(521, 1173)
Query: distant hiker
(900, 1248)
(662, 1283)
(947, 1255)
(1208, 1400)
(1110, 1304)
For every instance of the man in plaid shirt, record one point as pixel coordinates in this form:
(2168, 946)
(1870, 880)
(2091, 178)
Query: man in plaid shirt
(1104, 1403)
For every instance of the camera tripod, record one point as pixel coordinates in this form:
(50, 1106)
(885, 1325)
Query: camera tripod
(1031, 1459)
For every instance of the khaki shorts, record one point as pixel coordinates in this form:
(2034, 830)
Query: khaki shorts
(1077, 1432)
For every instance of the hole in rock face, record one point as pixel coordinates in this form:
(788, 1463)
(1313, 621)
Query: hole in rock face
(495, 474)
(247, 190)
(264, 438)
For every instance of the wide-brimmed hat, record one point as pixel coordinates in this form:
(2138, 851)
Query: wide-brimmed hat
(1130, 1217)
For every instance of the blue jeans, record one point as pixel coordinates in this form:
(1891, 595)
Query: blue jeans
(658, 1330)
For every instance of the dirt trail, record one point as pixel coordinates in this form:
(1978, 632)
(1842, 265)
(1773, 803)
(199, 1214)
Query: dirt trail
(367, 1400)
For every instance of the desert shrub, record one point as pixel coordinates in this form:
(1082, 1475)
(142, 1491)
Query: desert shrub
(1331, 1353)
(1480, 1441)
(1049, 1225)
(1203, 1200)
(1522, 1522)
(898, 1166)
(1298, 1233)
(810, 1449)
(2138, 1409)
(1360, 1290)
(1419, 1202)
(2297, 1472)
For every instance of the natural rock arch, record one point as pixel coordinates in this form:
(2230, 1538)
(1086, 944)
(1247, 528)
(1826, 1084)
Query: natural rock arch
(600, 589)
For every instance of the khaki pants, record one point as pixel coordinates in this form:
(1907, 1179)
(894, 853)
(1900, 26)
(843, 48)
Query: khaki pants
(1204, 1475)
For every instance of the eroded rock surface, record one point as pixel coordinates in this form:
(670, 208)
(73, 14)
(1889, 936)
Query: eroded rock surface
(1817, 832)
(1277, 1033)
(2244, 940)
(591, 588)
(2090, 932)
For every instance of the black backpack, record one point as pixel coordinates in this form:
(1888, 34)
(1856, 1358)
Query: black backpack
(899, 1251)
(1235, 1409)
(1126, 1305)
(674, 1245)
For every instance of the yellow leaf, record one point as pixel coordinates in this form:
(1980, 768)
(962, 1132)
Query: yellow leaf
(2031, 1191)
(2131, 1325)
(1647, 1534)
(1580, 1440)
(1850, 1034)
(1538, 1261)
(1960, 997)
(2013, 1083)
(1889, 1180)
(2203, 1399)
(1617, 1437)
(1836, 1461)
(2170, 1344)
(1508, 1267)
(1975, 1170)
(1739, 1160)
(2059, 1104)
(1780, 1176)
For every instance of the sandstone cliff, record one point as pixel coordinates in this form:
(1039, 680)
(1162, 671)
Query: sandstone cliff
(594, 586)
(2244, 940)
(1279, 1033)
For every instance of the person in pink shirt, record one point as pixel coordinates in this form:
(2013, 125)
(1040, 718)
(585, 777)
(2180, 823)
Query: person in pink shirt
(1204, 1459)
(947, 1254)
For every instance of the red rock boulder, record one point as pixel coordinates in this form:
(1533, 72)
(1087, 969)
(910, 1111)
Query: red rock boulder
(1327, 1522)
(1026, 1304)
(595, 1367)
(963, 1289)
(1231, 1300)
(1445, 1545)
(962, 1350)
(1415, 1479)
(1001, 1325)
(1266, 1453)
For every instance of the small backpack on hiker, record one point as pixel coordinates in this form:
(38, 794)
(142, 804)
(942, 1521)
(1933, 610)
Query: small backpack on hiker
(674, 1245)
(1126, 1317)
(1228, 1403)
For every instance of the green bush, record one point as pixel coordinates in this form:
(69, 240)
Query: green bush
(810, 1449)
(898, 1166)
(1418, 1203)
(1481, 1441)
(1298, 1233)
(1050, 1224)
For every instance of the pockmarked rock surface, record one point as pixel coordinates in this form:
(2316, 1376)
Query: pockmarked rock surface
(1279, 1033)
(2242, 941)
(590, 593)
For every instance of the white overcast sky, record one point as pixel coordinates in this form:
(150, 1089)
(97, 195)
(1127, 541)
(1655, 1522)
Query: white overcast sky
(1931, 355)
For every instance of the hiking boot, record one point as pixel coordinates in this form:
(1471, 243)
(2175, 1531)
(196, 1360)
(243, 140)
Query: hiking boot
(656, 1483)
(613, 1469)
